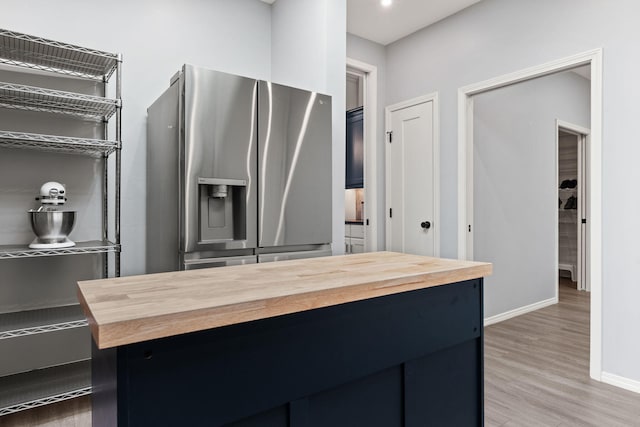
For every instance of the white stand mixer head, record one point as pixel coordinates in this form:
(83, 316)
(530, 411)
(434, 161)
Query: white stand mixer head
(52, 193)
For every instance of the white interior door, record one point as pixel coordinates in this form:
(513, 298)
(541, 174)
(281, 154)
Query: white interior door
(583, 214)
(412, 177)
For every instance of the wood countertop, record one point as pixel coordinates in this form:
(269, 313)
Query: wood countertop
(127, 310)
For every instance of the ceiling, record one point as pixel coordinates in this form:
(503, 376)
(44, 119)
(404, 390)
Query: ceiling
(370, 20)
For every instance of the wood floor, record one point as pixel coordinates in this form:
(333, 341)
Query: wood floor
(536, 374)
(69, 413)
(537, 371)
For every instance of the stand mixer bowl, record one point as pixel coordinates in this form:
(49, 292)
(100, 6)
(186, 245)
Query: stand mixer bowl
(52, 226)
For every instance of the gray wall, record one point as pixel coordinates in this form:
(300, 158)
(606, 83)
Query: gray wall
(306, 48)
(515, 193)
(495, 37)
(155, 38)
(308, 51)
(374, 54)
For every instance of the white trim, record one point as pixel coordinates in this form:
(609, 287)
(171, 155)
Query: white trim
(577, 129)
(563, 64)
(594, 209)
(370, 150)
(465, 175)
(434, 98)
(622, 382)
(556, 228)
(436, 174)
(387, 184)
(519, 311)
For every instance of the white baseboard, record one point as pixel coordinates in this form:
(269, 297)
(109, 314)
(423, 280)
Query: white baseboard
(622, 382)
(519, 311)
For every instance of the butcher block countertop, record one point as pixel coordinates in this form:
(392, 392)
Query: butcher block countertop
(128, 310)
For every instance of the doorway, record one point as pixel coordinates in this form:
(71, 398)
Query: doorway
(354, 198)
(361, 199)
(572, 143)
(413, 176)
(466, 228)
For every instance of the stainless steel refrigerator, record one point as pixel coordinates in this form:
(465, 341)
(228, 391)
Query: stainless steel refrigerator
(238, 171)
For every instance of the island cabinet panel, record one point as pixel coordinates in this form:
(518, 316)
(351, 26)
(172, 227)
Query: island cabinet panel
(407, 359)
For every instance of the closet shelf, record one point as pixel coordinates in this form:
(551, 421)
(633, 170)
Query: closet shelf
(570, 222)
(24, 50)
(61, 144)
(44, 386)
(568, 246)
(32, 98)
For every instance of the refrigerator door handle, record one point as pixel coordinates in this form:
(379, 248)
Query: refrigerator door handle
(222, 181)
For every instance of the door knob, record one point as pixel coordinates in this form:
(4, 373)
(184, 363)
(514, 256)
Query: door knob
(426, 225)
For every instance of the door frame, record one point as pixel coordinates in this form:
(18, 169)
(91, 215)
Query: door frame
(434, 98)
(594, 226)
(370, 103)
(582, 265)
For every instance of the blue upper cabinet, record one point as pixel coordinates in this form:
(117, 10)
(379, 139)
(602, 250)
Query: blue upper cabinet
(355, 149)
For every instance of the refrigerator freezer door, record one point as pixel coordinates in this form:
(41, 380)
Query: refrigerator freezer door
(218, 262)
(220, 144)
(284, 256)
(294, 158)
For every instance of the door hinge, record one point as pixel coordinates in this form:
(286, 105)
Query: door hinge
(390, 213)
(390, 133)
(584, 220)
(469, 228)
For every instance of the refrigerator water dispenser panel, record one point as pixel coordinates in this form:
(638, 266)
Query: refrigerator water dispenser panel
(223, 211)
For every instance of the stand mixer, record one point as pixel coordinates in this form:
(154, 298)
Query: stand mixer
(50, 225)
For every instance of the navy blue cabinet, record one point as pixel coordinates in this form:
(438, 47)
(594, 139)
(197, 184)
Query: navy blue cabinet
(355, 149)
(411, 359)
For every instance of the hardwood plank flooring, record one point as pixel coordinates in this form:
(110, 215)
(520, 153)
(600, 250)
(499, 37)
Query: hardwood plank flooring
(536, 374)
(537, 371)
(68, 413)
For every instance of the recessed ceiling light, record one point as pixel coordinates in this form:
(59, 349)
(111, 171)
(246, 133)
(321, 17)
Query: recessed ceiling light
(386, 3)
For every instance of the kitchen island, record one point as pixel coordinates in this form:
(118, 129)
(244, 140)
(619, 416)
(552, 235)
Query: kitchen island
(376, 339)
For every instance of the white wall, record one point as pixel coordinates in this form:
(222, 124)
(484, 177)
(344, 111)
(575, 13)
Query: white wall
(514, 187)
(354, 91)
(374, 54)
(350, 204)
(308, 51)
(495, 37)
(299, 46)
(155, 37)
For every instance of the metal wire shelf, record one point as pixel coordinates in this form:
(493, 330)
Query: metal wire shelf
(44, 386)
(23, 323)
(53, 384)
(24, 50)
(61, 144)
(32, 98)
(91, 247)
